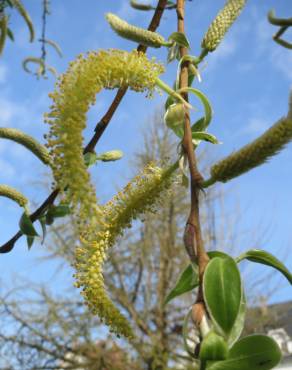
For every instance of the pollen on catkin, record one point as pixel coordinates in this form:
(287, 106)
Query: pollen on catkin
(255, 153)
(133, 33)
(72, 98)
(75, 93)
(27, 141)
(221, 24)
(140, 195)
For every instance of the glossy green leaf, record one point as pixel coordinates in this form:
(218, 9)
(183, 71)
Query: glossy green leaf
(26, 226)
(239, 322)
(90, 158)
(255, 352)
(222, 292)
(29, 240)
(265, 258)
(180, 39)
(213, 254)
(213, 348)
(187, 281)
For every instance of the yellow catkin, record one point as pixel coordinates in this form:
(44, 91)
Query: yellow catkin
(134, 33)
(13, 194)
(17, 4)
(255, 153)
(27, 141)
(74, 94)
(141, 195)
(221, 24)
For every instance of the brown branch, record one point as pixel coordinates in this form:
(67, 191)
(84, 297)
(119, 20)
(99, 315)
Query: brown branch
(193, 234)
(99, 130)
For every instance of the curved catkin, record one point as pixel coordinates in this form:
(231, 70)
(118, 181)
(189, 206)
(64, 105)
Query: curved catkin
(74, 94)
(221, 24)
(140, 6)
(17, 4)
(27, 141)
(3, 31)
(255, 153)
(134, 33)
(13, 194)
(141, 195)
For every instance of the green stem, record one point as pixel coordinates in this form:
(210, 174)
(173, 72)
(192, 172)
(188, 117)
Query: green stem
(207, 183)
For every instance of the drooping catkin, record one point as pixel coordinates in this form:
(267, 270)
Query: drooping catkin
(221, 24)
(134, 33)
(27, 141)
(141, 195)
(17, 4)
(254, 154)
(75, 92)
(13, 194)
(140, 6)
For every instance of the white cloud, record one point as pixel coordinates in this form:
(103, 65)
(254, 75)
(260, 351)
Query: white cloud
(225, 49)
(126, 11)
(255, 126)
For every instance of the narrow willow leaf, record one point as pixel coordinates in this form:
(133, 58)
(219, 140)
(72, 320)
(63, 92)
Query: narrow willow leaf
(90, 158)
(255, 352)
(42, 221)
(213, 348)
(30, 240)
(205, 102)
(26, 226)
(54, 45)
(265, 258)
(180, 39)
(222, 292)
(188, 280)
(213, 254)
(173, 53)
(205, 136)
(10, 34)
(17, 4)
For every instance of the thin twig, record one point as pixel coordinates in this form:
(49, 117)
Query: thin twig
(99, 130)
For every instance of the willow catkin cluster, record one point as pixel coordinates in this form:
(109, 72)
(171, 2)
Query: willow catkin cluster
(141, 195)
(255, 153)
(133, 33)
(221, 24)
(74, 94)
(13, 194)
(27, 141)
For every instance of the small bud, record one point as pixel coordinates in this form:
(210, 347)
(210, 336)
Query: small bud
(112, 155)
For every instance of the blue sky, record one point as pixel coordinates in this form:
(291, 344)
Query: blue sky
(247, 81)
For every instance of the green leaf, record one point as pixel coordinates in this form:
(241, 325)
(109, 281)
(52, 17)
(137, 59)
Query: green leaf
(188, 280)
(42, 221)
(213, 254)
(49, 219)
(213, 348)
(239, 322)
(90, 158)
(180, 39)
(255, 352)
(26, 226)
(173, 53)
(61, 210)
(199, 136)
(30, 240)
(204, 100)
(265, 258)
(222, 292)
